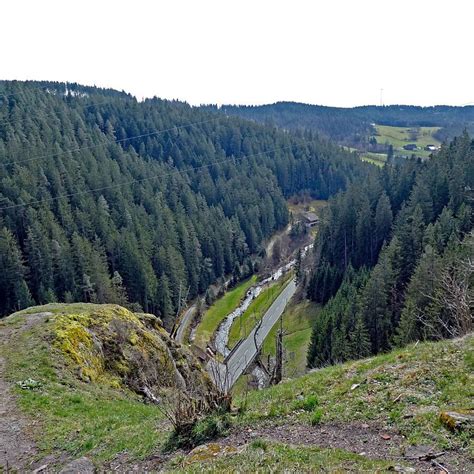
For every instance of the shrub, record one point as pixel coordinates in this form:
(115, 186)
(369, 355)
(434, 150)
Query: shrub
(209, 428)
(316, 417)
(307, 404)
(259, 444)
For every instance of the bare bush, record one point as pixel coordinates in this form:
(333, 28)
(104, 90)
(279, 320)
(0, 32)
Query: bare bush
(454, 299)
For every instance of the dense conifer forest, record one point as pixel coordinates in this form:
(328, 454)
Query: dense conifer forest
(106, 199)
(395, 258)
(353, 126)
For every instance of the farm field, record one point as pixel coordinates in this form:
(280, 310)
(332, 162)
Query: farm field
(400, 136)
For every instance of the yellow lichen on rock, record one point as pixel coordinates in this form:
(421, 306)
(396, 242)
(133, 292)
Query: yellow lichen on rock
(458, 420)
(209, 451)
(111, 345)
(76, 342)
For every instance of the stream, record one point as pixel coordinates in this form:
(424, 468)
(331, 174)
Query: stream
(222, 334)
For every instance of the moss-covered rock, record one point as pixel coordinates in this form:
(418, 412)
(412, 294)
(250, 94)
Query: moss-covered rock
(109, 344)
(462, 420)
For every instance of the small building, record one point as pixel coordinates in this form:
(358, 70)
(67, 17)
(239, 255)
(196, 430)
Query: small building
(410, 147)
(431, 148)
(310, 219)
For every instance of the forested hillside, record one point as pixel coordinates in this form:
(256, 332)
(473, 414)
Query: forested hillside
(342, 125)
(106, 199)
(395, 258)
(353, 126)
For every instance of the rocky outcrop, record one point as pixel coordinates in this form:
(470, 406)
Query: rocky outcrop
(109, 344)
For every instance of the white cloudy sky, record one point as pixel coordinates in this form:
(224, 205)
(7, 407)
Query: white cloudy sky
(331, 52)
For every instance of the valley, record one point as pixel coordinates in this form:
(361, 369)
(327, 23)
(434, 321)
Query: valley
(200, 288)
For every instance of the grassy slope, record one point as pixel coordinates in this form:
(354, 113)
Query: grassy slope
(399, 136)
(261, 456)
(378, 159)
(405, 388)
(429, 377)
(243, 326)
(297, 324)
(219, 310)
(73, 416)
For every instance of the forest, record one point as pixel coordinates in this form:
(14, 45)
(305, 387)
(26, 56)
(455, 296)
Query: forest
(107, 199)
(394, 258)
(353, 126)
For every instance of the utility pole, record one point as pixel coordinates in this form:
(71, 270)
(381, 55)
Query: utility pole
(278, 370)
(181, 304)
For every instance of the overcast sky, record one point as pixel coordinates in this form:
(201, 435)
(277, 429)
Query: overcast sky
(330, 52)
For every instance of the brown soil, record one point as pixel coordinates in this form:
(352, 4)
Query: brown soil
(17, 448)
(367, 439)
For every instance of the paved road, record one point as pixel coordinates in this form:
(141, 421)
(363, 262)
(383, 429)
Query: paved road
(225, 376)
(184, 323)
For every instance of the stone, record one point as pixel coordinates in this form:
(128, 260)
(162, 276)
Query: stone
(404, 469)
(209, 451)
(457, 421)
(79, 466)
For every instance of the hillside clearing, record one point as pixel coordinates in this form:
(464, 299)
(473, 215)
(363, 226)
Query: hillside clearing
(398, 137)
(297, 324)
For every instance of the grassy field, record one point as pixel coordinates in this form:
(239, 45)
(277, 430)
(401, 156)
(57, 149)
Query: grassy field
(297, 324)
(313, 205)
(378, 159)
(219, 310)
(400, 136)
(262, 456)
(243, 325)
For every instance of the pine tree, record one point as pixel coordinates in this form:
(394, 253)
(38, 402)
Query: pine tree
(119, 289)
(360, 346)
(14, 292)
(383, 220)
(88, 289)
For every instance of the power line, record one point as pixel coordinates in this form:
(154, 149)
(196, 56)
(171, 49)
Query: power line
(178, 172)
(121, 140)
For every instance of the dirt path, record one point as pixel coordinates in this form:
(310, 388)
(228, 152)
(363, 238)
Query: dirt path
(367, 439)
(371, 440)
(17, 448)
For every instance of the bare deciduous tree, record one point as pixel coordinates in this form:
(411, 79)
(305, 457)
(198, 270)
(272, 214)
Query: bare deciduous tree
(455, 298)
